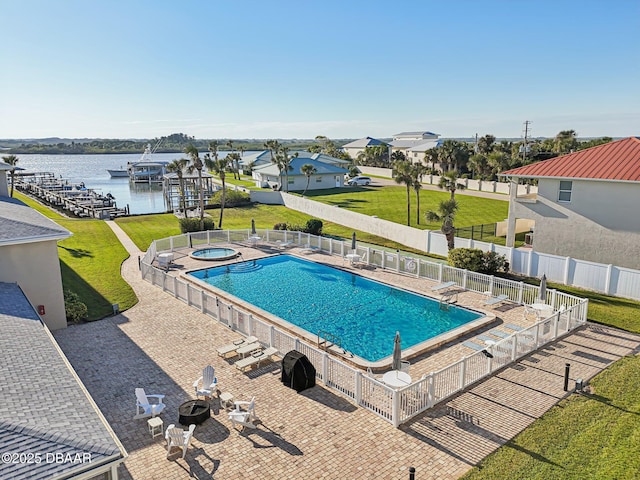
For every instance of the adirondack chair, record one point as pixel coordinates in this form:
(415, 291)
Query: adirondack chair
(144, 407)
(177, 437)
(244, 414)
(209, 382)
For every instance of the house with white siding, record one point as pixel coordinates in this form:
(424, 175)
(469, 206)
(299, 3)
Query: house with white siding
(587, 205)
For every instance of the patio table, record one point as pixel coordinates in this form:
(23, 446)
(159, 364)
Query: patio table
(396, 379)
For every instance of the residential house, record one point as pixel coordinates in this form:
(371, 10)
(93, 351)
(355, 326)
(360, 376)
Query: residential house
(356, 147)
(29, 255)
(587, 204)
(330, 172)
(50, 427)
(405, 140)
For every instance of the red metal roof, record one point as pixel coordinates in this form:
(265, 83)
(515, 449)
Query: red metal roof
(619, 160)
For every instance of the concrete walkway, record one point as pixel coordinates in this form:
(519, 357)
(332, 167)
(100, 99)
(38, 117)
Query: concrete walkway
(162, 344)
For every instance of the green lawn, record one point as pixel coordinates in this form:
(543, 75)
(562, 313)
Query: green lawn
(590, 436)
(90, 262)
(390, 203)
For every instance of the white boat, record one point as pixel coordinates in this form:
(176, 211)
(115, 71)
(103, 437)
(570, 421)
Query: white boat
(118, 173)
(146, 170)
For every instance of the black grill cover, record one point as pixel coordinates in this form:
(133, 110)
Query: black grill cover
(297, 371)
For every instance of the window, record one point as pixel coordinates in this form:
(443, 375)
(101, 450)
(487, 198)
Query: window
(318, 179)
(564, 193)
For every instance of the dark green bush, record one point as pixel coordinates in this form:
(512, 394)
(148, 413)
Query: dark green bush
(476, 260)
(313, 226)
(280, 226)
(466, 258)
(233, 198)
(193, 224)
(75, 310)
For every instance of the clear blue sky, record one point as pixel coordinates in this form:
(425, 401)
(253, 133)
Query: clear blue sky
(297, 69)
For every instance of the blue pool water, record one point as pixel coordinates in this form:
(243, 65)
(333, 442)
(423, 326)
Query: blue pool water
(365, 314)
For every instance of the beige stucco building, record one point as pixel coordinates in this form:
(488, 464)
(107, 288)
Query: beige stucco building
(29, 255)
(587, 205)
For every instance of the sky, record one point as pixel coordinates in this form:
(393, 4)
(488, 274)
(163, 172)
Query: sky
(298, 69)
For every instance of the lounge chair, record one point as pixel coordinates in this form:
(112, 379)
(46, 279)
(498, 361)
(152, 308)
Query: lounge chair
(177, 437)
(233, 347)
(209, 382)
(497, 299)
(244, 416)
(512, 326)
(256, 358)
(500, 333)
(442, 286)
(249, 348)
(144, 406)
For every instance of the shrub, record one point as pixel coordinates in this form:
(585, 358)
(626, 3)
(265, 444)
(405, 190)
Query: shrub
(233, 198)
(75, 310)
(193, 224)
(280, 226)
(313, 226)
(476, 260)
(466, 258)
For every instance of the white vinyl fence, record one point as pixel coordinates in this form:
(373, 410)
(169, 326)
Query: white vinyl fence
(394, 405)
(608, 279)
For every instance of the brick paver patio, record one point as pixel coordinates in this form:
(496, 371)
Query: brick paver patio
(161, 344)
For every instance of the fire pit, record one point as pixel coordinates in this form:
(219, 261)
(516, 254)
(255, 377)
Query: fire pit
(193, 412)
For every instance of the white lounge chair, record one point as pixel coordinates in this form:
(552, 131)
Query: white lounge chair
(256, 358)
(177, 437)
(497, 299)
(249, 348)
(442, 286)
(209, 382)
(233, 347)
(144, 407)
(244, 416)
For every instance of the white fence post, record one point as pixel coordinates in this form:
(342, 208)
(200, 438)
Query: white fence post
(358, 387)
(395, 409)
(607, 280)
(431, 392)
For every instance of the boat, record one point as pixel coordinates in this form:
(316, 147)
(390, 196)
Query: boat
(118, 173)
(146, 170)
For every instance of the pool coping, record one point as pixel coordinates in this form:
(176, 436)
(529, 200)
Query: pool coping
(409, 353)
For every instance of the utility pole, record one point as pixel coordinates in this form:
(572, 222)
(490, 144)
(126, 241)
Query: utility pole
(525, 145)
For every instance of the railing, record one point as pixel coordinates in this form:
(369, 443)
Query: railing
(396, 406)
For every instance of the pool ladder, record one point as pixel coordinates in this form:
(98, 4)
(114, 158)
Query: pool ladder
(447, 299)
(326, 340)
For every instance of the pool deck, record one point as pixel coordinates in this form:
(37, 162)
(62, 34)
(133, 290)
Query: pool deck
(162, 344)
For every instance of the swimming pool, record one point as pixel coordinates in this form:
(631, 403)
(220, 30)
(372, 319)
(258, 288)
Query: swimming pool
(365, 314)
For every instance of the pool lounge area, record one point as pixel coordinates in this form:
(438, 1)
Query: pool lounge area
(362, 313)
(453, 362)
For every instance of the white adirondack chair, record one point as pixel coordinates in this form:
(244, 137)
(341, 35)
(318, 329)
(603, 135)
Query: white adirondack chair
(209, 382)
(144, 407)
(242, 415)
(177, 437)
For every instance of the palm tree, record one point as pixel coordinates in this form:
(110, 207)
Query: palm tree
(449, 182)
(446, 213)
(196, 163)
(218, 166)
(282, 160)
(565, 141)
(307, 169)
(11, 160)
(178, 167)
(402, 174)
(234, 168)
(417, 171)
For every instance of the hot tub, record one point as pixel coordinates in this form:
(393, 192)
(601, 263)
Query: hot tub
(214, 254)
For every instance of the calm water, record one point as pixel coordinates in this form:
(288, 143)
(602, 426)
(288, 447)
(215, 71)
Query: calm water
(92, 170)
(363, 313)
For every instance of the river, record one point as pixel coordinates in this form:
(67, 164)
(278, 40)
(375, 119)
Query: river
(92, 170)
